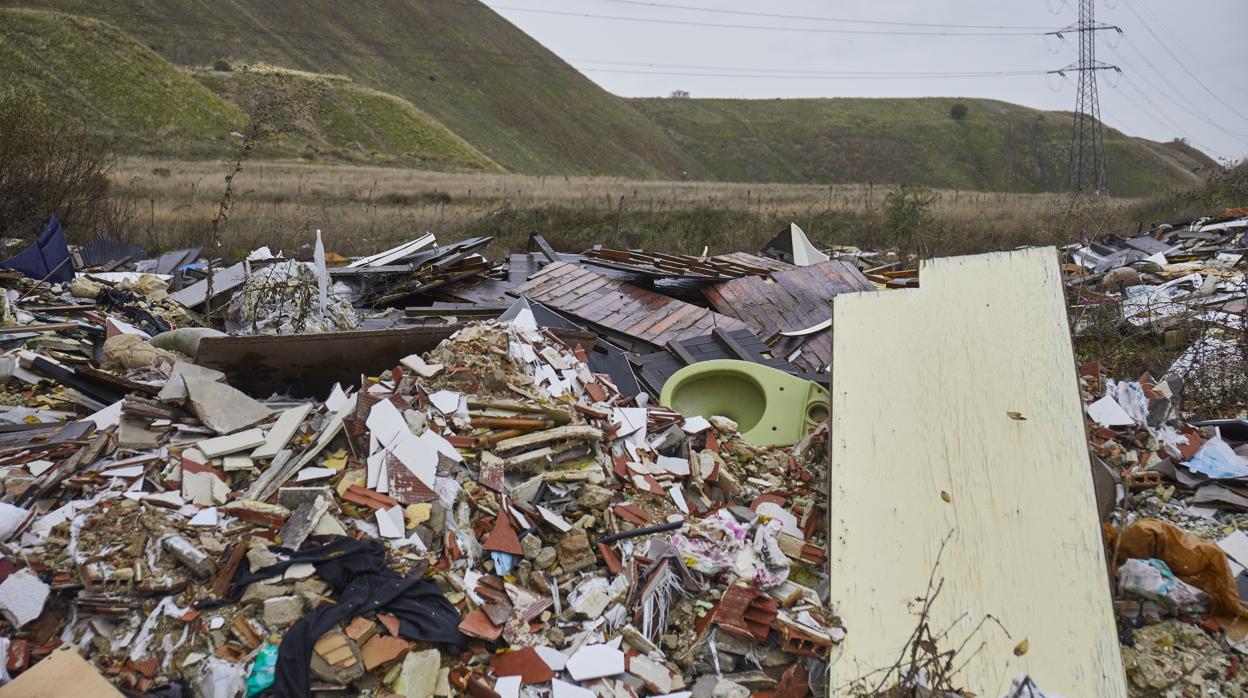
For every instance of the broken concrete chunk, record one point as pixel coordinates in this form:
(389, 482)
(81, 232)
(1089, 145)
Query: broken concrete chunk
(419, 677)
(281, 611)
(729, 689)
(222, 408)
(656, 675)
(574, 552)
(300, 524)
(174, 390)
(594, 498)
(262, 591)
(22, 596)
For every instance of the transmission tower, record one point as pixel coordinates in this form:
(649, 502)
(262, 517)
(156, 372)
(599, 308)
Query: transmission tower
(1087, 142)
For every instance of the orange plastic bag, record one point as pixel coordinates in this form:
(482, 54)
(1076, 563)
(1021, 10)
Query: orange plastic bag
(1196, 561)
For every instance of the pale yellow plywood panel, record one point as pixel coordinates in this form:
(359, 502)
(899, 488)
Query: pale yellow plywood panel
(923, 384)
(62, 673)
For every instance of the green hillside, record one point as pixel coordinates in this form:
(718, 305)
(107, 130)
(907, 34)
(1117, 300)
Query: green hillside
(94, 74)
(329, 117)
(449, 84)
(996, 146)
(91, 73)
(458, 61)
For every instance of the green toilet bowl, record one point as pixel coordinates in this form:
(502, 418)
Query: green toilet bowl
(770, 407)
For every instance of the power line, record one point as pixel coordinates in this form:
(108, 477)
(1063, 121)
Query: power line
(816, 75)
(1173, 88)
(1180, 63)
(1157, 114)
(755, 27)
(1183, 45)
(809, 18)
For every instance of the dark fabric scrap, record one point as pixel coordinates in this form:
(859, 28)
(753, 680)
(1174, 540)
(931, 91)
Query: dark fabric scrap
(357, 574)
(127, 303)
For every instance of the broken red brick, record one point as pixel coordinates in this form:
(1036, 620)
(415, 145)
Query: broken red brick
(368, 498)
(746, 613)
(361, 630)
(478, 625)
(503, 538)
(609, 557)
(382, 651)
(391, 623)
(525, 663)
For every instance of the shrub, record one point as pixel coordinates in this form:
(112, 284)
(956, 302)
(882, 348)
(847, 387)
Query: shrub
(48, 167)
(222, 66)
(959, 112)
(909, 215)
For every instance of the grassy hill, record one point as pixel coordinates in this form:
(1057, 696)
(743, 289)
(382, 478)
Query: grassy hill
(330, 117)
(449, 84)
(996, 146)
(456, 60)
(94, 74)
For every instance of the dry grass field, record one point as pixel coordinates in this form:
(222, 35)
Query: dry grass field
(167, 204)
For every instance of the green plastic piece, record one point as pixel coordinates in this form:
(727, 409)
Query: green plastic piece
(263, 670)
(770, 407)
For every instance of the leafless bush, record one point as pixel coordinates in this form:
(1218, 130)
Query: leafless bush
(48, 167)
(927, 666)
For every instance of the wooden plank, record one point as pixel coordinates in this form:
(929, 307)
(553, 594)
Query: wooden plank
(655, 322)
(46, 327)
(673, 320)
(681, 352)
(1007, 505)
(543, 247)
(736, 350)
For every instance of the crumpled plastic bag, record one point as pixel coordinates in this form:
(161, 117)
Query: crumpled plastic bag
(285, 299)
(720, 543)
(1218, 460)
(1196, 561)
(1153, 580)
(220, 679)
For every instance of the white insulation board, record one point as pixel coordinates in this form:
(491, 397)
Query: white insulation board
(924, 382)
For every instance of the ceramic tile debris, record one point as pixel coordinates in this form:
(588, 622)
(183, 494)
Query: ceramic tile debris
(441, 477)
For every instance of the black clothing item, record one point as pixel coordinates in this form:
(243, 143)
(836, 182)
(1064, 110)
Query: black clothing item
(356, 572)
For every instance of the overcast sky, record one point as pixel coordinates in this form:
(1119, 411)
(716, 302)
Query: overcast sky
(1160, 101)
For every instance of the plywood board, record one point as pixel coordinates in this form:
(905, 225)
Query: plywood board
(62, 673)
(967, 387)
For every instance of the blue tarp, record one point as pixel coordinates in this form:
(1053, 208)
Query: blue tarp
(47, 259)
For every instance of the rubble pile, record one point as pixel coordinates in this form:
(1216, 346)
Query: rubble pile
(488, 498)
(545, 527)
(1174, 481)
